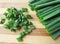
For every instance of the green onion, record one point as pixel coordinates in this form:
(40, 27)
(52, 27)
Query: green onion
(2, 21)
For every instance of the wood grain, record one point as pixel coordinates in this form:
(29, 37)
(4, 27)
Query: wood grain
(38, 36)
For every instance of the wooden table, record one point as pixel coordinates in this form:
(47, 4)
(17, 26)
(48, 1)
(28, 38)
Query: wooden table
(38, 36)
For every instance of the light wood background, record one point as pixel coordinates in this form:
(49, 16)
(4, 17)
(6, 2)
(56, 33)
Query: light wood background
(38, 36)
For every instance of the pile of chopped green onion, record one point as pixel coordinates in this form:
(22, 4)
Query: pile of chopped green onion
(16, 20)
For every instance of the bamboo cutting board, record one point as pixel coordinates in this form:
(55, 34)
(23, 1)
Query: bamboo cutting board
(38, 36)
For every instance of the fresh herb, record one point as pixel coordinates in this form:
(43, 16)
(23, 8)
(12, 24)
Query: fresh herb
(28, 16)
(16, 19)
(48, 12)
(24, 10)
(2, 21)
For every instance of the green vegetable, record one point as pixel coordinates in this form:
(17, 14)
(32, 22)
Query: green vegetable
(53, 31)
(53, 25)
(31, 2)
(39, 2)
(16, 19)
(20, 38)
(39, 12)
(50, 20)
(48, 13)
(45, 14)
(11, 13)
(44, 9)
(49, 10)
(24, 10)
(54, 28)
(28, 16)
(55, 35)
(30, 26)
(54, 22)
(46, 4)
(52, 14)
(2, 21)
(27, 29)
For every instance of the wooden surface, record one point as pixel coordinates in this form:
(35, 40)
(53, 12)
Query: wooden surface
(38, 36)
